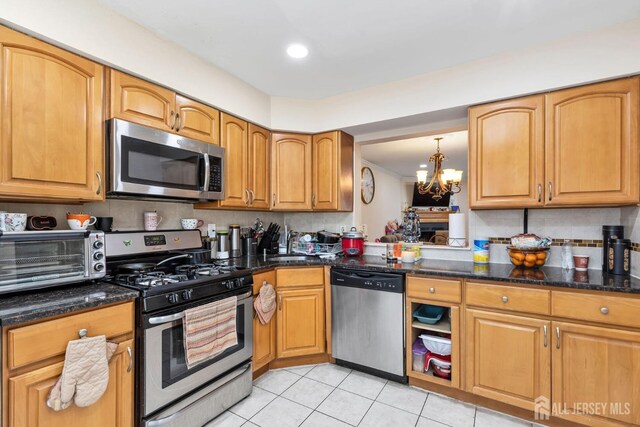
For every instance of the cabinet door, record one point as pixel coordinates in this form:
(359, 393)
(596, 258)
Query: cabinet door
(197, 121)
(508, 357)
(593, 365)
(259, 167)
(300, 322)
(27, 397)
(592, 144)
(233, 138)
(264, 342)
(506, 139)
(142, 102)
(324, 171)
(291, 171)
(52, 139)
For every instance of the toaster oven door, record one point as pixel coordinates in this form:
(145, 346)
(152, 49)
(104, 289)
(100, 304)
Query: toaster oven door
(32, 259)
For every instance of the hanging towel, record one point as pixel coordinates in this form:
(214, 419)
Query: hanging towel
(265, 303)
(209, 330)
(85, 375)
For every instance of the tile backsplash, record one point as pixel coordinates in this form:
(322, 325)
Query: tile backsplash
(128, 214)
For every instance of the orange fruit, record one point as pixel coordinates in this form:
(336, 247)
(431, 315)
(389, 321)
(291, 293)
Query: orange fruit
(530, 258)
(540, 262)
(516, 261)
(519, 256)
(541, 255)
(529, 263)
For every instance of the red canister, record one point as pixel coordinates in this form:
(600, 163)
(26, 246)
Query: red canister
(353, 242)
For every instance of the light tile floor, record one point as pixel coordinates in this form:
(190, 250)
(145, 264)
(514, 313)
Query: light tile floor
(328, 395)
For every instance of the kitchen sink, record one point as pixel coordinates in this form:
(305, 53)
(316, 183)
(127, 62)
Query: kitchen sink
(292, 258)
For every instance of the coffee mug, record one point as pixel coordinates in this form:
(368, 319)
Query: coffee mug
(13, 221)
(80, 221)
(581, 262)
(104, 223)
(151, 221)
(191, 223)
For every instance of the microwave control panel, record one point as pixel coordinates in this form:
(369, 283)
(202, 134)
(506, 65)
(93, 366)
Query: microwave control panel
(215, 174)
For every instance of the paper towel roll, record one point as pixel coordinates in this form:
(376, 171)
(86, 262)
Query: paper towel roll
(458, 230)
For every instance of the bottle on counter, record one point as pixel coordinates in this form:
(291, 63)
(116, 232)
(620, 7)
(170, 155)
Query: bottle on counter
(567, 255)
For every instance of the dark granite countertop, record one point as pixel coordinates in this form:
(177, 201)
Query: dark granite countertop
(592, 280)
(36, 305)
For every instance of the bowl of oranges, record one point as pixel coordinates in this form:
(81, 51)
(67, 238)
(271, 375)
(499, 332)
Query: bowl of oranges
(530, 258)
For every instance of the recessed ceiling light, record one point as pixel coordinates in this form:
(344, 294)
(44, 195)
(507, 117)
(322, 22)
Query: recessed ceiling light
(423, 165)
(297, 51)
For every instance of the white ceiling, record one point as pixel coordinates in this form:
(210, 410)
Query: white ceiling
(360, 43)
(404, 156)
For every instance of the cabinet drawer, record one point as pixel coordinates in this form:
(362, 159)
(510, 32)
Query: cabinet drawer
(268, 276)
(306, 276)
(46, 339)
(508, 298)
(596, 308)
(433, 289)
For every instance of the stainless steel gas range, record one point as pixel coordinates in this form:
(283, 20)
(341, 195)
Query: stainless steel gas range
(169, 393)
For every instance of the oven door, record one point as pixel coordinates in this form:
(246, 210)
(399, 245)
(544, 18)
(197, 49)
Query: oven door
(150, 162)
(166, 376)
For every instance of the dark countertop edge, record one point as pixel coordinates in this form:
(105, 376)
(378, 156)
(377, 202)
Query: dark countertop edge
(12, 316)
(622, 284)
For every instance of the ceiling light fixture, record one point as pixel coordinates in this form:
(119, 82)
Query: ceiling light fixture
(297, 51)
(443, 181)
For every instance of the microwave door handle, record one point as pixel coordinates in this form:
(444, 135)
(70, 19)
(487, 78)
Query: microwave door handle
(158, 320)
(207, 172)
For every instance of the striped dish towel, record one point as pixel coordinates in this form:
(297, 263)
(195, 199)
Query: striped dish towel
(209, 330)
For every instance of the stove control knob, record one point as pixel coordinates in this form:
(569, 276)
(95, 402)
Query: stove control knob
(173, 298)
(98, 256)
(187, 294)
(98, 244)
(228, 284)
(98, 267)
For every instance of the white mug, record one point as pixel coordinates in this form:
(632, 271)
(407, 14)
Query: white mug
(151, 221)
(191, 223)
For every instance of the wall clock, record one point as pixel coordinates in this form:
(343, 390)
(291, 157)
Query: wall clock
(367, 185)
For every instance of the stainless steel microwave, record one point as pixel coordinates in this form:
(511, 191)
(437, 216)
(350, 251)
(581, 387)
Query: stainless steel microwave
(150, 163)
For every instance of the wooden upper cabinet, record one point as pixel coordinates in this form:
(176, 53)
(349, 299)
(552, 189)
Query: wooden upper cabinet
(592, 144)
(233, 138)
(508, 358)
(142, 102)
(259, 167)
(594, 364)
(291, 171)
(506, 153)
(197, 121)
(52, 138)
(332, 171)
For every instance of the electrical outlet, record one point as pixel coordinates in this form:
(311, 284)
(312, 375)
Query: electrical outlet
(363, 229)
(211, 230)
(343, 228)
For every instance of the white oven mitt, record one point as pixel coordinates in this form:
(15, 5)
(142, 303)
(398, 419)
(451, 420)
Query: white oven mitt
(85, 375)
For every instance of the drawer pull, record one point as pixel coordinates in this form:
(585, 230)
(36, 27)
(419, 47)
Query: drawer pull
(604, 310)
(505, 299)
(130, 359)
(432, 290)
(558, 337)
(544, 328)
(82, 333)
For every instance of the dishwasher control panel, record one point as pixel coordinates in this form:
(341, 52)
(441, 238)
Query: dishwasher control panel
(364, 279)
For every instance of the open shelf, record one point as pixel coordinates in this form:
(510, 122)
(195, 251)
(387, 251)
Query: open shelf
(428, 376)
(444, 326)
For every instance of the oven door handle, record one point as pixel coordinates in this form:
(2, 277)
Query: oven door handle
(177, 316)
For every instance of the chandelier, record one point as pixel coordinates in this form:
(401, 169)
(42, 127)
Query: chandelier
(443, 181)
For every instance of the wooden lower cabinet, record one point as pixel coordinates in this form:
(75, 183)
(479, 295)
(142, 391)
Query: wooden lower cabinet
(300, 322)
(508, 357)
(28, 395)
(264, 336)
(596, 374)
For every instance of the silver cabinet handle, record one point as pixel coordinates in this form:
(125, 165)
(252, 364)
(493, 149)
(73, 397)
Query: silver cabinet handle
(558, 337)
(313, 200)
(178, 122)
(432, 290)
(246, 192)
(539, 193)
(280, 302)
(99, 175)
(174, 116)
(544, 328)
(550, 191)
(274, 199)
(130, 359)
(604, 310)
(252, 197)
(505, 299)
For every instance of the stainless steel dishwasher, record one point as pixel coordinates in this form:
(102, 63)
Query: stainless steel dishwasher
(367, 322)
